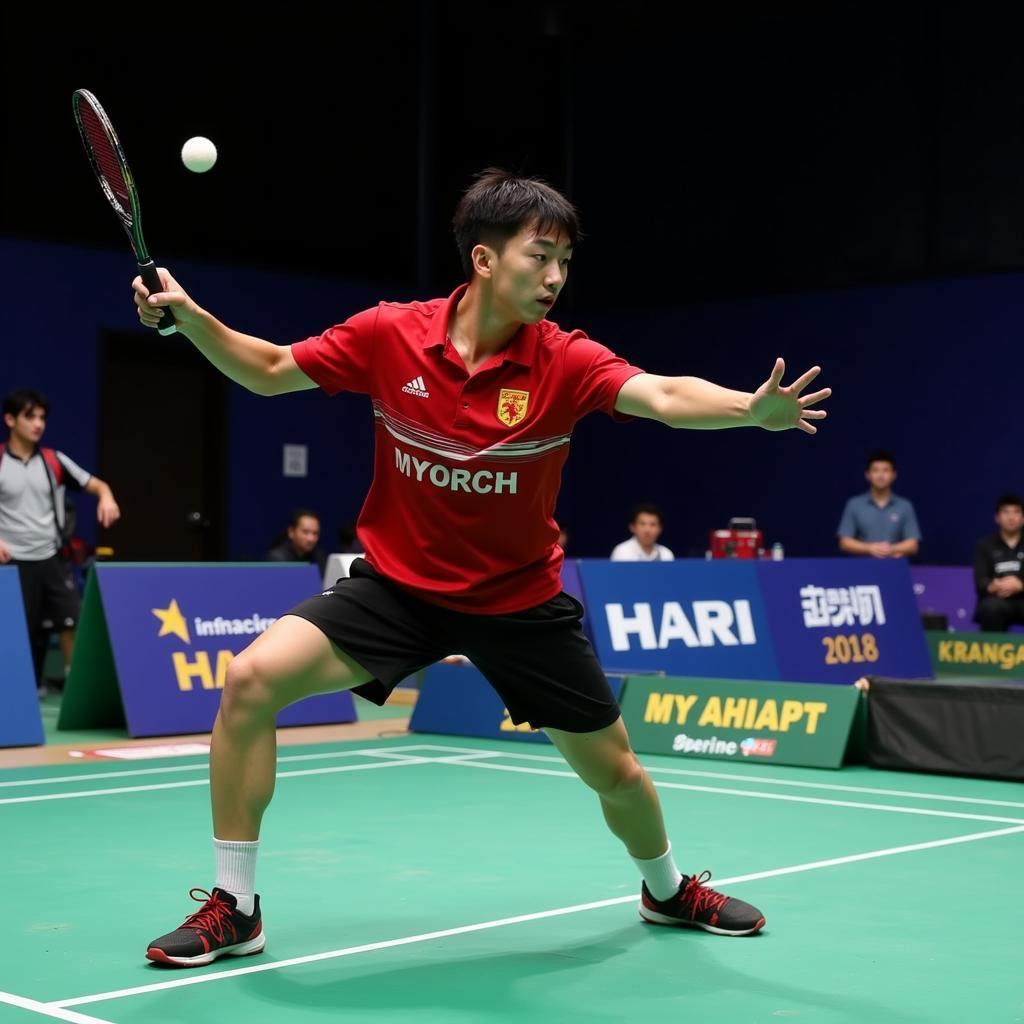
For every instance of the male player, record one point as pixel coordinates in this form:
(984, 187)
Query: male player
(475, 398)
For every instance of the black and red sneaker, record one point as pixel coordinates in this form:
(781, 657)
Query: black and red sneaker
(697, 906)
(218, 928)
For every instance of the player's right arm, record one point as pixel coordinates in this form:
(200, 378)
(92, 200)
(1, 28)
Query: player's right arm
(261, 366)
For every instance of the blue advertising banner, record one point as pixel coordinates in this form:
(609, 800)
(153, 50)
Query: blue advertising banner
(834, 620)
(20, 722)
(574, 588)
(686, 618)
(571, 578)
(163, 636)
(456, 700)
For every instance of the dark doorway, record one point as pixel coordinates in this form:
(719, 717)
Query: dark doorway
(162, 448)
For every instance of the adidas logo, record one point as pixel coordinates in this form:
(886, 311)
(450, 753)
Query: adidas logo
(417, 387)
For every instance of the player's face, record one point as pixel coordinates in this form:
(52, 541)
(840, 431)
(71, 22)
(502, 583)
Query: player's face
(304, 534)
(880, 475)
(529, 273)
(1010, 518)
(646, 528)
(28, 425)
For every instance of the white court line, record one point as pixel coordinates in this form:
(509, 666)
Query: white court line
(472, 753)
(477, 758)
(397, 755)
(836, 788)
(49, 1011)
(736, 777)
(401, 756)
(520, 919)
(202, 766)
(464, 762)
(492, 755)
(81, 794)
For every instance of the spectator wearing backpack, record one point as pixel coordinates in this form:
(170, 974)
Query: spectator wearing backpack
(33, 483)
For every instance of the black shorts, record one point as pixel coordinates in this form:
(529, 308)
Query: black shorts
(50, 594)
(539, 660)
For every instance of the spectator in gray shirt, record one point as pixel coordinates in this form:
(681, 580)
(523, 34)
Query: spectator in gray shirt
(33, 481)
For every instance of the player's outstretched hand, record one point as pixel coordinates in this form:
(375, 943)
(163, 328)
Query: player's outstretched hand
(775, 407)
(173, 294)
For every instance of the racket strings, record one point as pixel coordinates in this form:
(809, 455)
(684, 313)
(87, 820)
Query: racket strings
(106, 157)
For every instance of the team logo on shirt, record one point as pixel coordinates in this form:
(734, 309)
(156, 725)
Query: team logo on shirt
(512, 406)
(416, 387)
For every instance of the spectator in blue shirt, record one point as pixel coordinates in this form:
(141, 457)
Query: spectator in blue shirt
(879, 523)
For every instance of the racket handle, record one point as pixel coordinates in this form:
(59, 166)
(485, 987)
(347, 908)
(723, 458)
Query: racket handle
(151, 279)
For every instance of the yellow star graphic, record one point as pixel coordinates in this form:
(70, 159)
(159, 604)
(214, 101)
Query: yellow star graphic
(172, 621)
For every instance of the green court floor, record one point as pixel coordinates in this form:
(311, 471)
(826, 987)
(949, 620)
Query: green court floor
(427, 879)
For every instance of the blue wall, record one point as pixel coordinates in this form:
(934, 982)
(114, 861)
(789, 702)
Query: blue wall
(927, 370)
(59, 301)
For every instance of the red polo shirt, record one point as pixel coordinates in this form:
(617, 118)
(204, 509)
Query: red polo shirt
(467, 467)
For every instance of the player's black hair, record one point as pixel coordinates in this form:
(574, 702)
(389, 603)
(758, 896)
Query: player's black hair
(1009, 499)
(499, 204)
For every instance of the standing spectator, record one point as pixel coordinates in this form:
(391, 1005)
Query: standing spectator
(879, 523)
(33, 484)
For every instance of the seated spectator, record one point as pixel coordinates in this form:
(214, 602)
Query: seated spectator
(999, 569)
(643, 546)
(348, 542)
(563, 536)
(300, 542)
(879, 523)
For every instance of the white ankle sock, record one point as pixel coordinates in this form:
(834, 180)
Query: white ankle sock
(661, 875)
(236, 871)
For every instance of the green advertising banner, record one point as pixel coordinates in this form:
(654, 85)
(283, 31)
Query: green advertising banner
(737, 720)
(977, 654)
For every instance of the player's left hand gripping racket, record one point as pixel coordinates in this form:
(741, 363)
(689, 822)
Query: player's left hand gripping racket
(108, 162)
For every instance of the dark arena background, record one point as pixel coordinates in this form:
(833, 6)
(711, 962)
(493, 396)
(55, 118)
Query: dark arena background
(840, 184)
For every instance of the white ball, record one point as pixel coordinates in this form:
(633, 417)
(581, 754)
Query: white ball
(199, 154)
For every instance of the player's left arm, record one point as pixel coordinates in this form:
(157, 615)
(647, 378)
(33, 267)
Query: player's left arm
(107, 510)
(701, 405)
